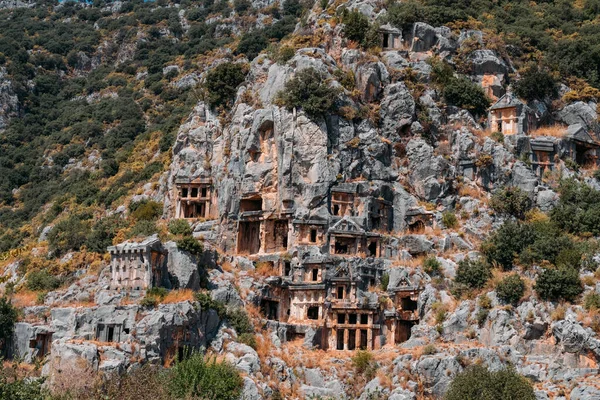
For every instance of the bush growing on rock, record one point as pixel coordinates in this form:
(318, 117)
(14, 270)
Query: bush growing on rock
(536, 84)
(206, 303)
(511, 289)
(145, 210)
(555, 284)
(449, 220)
(510, 201)
(205, 378)
(180, 227)
(473, 274)
(478, 383)
(311, 91)
(385, 281)
(363, 363)
(191, 245)
(239, 320)
(578, 210)
(68, 235)
(222, 82)
(463, 93)
(358, 29)
(42, 280)
(432, 266)
(591, 301)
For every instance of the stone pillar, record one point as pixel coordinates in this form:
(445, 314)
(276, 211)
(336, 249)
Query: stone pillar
(345, 339)
(357, 337)
(369, 339)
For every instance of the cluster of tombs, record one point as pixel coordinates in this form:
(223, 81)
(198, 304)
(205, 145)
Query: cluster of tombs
(516, 121)
(337, 300)
(130, 331)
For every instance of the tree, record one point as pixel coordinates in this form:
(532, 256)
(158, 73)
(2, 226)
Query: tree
(506, 243)
(463, 93)
(478, 383)
(252, 44)
(510, 289)
(311, 91)
(474, 274)
(222, 83)
(358, 28)
(555, 284)
(8, 317)
(511, 201)
(536, 84)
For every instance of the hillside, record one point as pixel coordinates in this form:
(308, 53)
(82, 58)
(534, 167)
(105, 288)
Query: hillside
(264, 200)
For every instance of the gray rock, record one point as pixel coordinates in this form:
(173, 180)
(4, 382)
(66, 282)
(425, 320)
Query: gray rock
(424, 37)
(437, 372)
(585, 392)
(397, 110)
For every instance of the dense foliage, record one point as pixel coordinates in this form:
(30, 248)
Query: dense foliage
(204, 377)
(473, 274)
(510, 201)
(311, 91)
(479, 383)
(510, 289)
(558, 284)
(222, 83)
(559, 34)
(8, 317)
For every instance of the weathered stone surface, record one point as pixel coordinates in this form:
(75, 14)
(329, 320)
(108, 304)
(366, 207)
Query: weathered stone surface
(397, 110)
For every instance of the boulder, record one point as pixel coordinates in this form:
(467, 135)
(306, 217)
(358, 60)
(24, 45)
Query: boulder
(424, 37)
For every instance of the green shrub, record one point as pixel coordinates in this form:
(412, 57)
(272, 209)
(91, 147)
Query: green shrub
(484, 301)
(449, 220)
(143, 228)
(145, 210)
(505, 244)
(207, 303)
(309, 90)
(8, 318)
(222, 82)
(477, 382)
(285, 54)
(191, 245)
(510, 201)
(591, 301)
(364, 364)
(463, 93)
(474, 274)
(205, 378)
(180, 227)
(14, 388)
(103, 232)
(432, 266)
(68, 235)
(578, 209)
(498, 137)
(482, 315)
(358, 29)
(42, 280)
(554, 284)
(536, 84)
(248, 339)
(385, 281)
(149, 301)
(239, 320)
(429, 350)
(511, 289)
(252, 44)
(158, 292)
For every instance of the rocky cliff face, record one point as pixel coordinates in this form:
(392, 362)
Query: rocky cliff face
(391, 175)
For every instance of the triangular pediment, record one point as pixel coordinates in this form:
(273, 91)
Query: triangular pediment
(347, 225)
